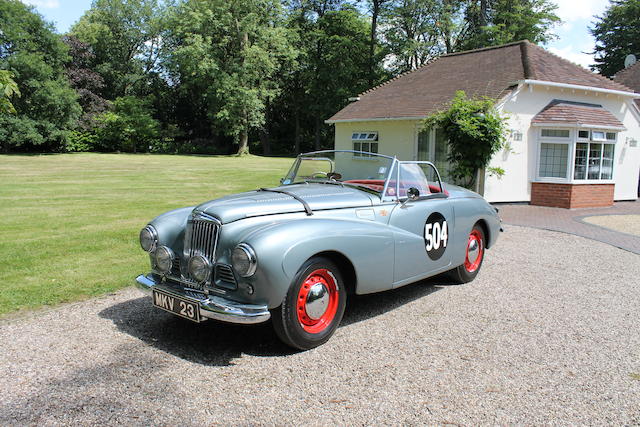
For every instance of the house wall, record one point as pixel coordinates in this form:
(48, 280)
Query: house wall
(395, 137)
(520, 160)
(399, 138)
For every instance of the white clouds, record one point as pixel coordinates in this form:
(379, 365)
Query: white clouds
(44, 4)
(574, 55)
(572, 10)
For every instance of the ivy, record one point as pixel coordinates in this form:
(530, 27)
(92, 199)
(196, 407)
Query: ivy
(475, 132)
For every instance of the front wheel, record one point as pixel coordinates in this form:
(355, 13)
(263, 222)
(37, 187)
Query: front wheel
(313, 306)
(474, 255)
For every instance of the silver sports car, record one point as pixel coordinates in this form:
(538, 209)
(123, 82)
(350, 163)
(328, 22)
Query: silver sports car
(340, 223)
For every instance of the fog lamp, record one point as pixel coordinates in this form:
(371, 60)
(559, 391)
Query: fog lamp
(164, 259)
(199, 268)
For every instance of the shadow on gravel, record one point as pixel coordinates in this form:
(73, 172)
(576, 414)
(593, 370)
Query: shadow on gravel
(217, 343)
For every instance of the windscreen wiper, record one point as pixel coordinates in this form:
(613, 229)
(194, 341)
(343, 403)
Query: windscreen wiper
(307, 208)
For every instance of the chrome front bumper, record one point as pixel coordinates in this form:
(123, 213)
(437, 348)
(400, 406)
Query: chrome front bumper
(211, 307)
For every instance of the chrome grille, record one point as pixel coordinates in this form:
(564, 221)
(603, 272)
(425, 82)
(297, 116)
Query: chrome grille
(201, 238)
(225, 277)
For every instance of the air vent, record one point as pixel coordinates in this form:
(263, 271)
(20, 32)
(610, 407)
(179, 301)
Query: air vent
(225, 277)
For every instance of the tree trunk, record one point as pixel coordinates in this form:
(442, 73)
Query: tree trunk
(266, 142)
(372, 42)
(243, 143)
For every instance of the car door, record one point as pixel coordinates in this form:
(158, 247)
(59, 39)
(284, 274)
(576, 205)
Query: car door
(421, 226)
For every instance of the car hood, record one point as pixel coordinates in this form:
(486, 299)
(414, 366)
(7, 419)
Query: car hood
(258, 203)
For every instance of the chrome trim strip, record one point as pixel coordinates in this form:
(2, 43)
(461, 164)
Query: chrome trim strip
(212, 307)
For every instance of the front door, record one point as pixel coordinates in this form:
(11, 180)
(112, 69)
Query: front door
(421, 227)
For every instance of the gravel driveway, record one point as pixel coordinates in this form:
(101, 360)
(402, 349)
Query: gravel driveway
(549, 333)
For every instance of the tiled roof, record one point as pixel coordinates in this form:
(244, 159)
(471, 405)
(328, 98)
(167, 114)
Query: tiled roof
(577, 114)
(488, 72)
(630, 77)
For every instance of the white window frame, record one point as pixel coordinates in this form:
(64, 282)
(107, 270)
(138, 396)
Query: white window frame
(572, 142)
(371, 137)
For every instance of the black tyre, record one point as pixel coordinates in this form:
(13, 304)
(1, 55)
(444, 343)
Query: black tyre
(313, 306)
(474, 255)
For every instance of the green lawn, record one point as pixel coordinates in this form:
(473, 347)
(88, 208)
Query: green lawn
(69, 223)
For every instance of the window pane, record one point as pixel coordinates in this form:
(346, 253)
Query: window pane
(553, 160)
(611, 136)
(357, 146)
(372, 136)
(583, 134)
(354, 135)
(555, 133)
(595, 153)
(580, 168)
(374, 147)
(363, 136)
(423, 145)
(607, 161)
(365, 146)
(597, 135)
(441, 155)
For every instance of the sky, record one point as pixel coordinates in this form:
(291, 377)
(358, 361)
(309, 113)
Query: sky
(573, 43)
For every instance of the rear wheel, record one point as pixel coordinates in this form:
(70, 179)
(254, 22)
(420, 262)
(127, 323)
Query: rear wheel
(313, 306)
(474, 255)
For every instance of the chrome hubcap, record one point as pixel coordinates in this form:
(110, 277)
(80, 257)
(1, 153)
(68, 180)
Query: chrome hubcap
(473, 251)
(317, 301)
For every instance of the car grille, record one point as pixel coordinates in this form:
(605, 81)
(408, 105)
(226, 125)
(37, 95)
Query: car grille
(225, 277)
(201, 238)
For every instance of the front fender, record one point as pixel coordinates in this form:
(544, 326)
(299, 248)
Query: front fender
(170, 226)
(282, 249)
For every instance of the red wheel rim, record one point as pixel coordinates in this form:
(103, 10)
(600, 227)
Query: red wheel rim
(475, 238)
(317, 324)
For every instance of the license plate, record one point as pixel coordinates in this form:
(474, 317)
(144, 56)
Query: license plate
(172, 304)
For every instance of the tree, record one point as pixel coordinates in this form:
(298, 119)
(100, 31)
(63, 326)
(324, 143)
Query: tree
(125, 37)
(8, 89)
(230, 51)
(495, 22)
(47, 109)
(129, 127)
(86, 82)
(617, 35)
(475, 132)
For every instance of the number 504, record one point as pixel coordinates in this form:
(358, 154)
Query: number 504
(435, 235)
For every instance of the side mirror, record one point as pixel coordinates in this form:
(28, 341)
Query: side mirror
(413, 193)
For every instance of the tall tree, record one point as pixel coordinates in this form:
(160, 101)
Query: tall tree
(86, 82)
(231, 52)
(35, 55)
(617, 35)
(125, 37)
(495, 22)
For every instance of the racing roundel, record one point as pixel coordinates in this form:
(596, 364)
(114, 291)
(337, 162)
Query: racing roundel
(436, 235)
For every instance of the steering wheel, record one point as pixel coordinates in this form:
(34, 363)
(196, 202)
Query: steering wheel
(319, 174)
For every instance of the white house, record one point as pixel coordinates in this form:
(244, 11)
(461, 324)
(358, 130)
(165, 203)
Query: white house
(573, 139)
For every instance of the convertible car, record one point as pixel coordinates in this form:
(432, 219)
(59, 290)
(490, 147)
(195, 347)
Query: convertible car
(340, 223)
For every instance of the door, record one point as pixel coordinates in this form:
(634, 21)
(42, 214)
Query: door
(421, 227)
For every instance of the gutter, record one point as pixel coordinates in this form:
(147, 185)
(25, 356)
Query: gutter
(381, 119)
(579, 87)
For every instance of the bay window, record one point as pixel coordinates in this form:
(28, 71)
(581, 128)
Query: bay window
(578, 155)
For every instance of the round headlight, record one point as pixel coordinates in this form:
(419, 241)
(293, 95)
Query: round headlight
(148, 238)
(164, 259)
(199, 268)
(244, 260)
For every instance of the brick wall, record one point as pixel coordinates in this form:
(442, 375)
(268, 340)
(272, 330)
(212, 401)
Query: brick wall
(571, 195)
